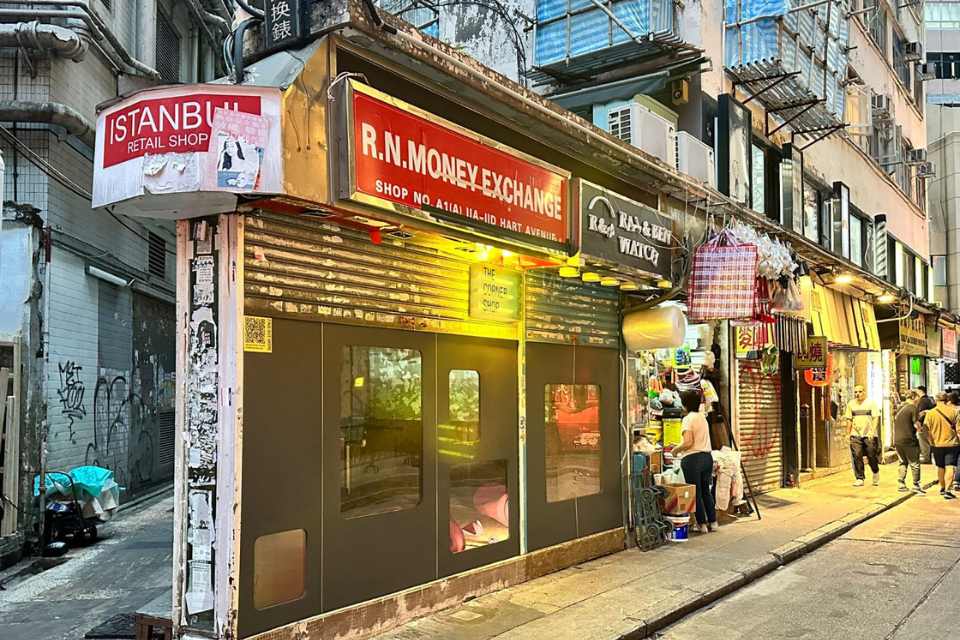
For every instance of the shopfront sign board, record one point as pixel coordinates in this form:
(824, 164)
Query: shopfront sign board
(913, 337)
(203, 138)
(949, 339)
(402, 158)
(815, 355)
(494, 293)
(283, 23)
(751, 340)
(933, 340)
(625, 232)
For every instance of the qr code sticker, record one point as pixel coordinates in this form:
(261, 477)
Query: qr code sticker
(258, 334)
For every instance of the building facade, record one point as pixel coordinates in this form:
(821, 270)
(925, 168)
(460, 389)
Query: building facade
(421, 290)
(87, 300)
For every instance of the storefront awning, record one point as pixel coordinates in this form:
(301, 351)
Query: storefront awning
(846, 322)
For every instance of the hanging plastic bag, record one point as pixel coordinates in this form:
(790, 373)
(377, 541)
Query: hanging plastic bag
(722, 281)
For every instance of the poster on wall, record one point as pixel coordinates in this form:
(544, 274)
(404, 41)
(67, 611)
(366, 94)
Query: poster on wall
(402, 158)
(949, 342)
(623, 231)
(188, 139)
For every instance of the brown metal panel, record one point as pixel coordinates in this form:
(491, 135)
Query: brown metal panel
(550, 523)
(496, 363)
(370, 556)
(282, 450)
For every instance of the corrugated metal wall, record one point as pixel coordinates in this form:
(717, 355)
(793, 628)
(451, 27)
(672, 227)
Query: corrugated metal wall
(311, 269)
(758, 420)
(566, 311)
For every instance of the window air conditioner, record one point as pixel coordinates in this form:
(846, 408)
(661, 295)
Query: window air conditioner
(695, 158)
(645, 130)
(916, 156)
(926, 170)
(913, 52)
(882, 107)
(926, 71)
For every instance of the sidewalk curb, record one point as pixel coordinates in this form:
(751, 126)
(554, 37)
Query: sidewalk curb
(779, 557)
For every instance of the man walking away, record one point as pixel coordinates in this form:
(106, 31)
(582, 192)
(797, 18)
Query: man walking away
(863, 416)
(905, 441)
(941, 426)
(924, 404)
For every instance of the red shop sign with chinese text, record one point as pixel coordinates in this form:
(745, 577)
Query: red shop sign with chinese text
(409, 159)
(949, 338)
(173, 124)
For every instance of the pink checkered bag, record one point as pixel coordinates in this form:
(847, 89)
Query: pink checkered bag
(723, 280)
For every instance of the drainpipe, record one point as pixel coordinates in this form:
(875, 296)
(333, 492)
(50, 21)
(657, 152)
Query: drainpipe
(49, 113)
(147, 31)
(45, 37)
(98, 29)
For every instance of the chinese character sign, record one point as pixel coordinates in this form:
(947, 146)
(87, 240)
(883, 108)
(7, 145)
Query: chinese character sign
(283, 24)
(815, 356)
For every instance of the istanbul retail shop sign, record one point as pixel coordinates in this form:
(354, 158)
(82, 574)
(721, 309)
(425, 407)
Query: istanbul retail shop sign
(405, 156)
(625, 232)
(188, 138)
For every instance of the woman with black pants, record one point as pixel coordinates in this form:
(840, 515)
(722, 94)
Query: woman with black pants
(697, 461)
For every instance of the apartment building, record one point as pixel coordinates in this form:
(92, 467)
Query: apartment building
(86, 298)
(836, 86)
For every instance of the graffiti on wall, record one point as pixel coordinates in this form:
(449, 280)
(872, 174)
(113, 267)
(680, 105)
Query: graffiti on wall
(71, 393)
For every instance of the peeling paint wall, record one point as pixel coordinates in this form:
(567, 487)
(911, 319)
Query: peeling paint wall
(487, 35)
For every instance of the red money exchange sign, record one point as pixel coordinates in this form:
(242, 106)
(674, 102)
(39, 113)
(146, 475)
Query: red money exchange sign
(411, 160)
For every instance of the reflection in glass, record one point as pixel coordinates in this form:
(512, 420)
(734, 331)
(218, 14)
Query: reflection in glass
(479, 509)
(459, 436)
(380, 430)
(572, 422)
(279, 566)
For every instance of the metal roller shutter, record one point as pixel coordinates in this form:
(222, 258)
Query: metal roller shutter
(318, 270)
(567, 311)
(758, 419)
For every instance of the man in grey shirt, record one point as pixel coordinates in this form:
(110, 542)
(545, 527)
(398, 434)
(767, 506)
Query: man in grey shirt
(905, 440)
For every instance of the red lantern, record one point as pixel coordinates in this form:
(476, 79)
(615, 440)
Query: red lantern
(820, 376)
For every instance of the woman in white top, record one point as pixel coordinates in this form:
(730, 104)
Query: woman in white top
(697, 461)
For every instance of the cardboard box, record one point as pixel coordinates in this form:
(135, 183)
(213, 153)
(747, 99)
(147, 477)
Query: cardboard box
(679, 498)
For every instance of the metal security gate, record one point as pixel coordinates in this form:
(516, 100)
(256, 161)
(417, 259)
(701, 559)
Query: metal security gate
(318, 270)
(759, 425)
(566, 311)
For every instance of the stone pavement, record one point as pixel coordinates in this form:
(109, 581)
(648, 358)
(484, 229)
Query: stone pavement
(128, 567)
(632, 594)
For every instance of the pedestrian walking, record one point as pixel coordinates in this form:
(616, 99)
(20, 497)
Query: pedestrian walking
(905, 426)
(863, 416)
(697, 460)
(955, 401)
(924, 404)
(941, 426)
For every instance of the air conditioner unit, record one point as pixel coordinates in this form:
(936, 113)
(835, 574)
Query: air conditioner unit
(695, 158)
(913, 52)
(882, 107)
(651, 133)
(916, 156)
(926, 71)
(926, 170)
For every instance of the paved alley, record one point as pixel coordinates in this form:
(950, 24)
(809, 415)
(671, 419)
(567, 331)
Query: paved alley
(894, 577)
(128, 567)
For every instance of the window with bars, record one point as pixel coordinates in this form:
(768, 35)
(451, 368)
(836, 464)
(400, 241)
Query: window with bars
(168, 49)
(157, 255)
(876, 23)
(618, 123)
(900, 64)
